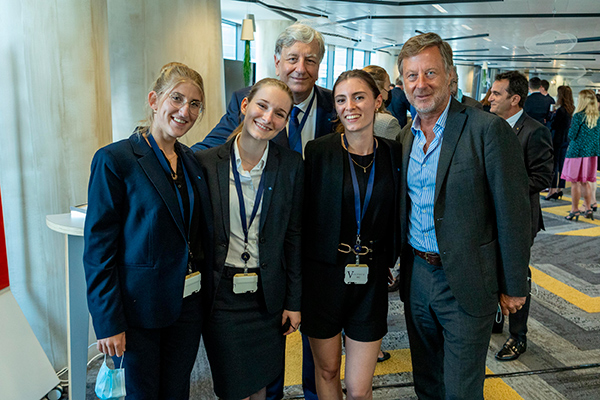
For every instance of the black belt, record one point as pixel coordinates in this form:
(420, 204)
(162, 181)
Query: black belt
(429, 257)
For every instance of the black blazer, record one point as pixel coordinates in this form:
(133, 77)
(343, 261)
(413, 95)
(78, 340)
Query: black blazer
(280, 222)
(536, 142)
(233, 117)
(537, 106)
(136, 252)
(324, 178)
(481, 211)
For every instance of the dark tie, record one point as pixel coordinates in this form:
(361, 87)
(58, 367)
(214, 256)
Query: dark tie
(294, 137)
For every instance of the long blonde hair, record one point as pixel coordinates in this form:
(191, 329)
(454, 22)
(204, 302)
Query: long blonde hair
(587, 103)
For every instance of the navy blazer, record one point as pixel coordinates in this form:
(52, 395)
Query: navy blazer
(399, 106)
(280, 222)
(481, 210)
(233, 117)
(537, 106)
(136, 251)
(536, 141)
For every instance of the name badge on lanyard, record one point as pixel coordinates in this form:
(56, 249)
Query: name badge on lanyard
(246, 282)
(192, 279)
(358, 273)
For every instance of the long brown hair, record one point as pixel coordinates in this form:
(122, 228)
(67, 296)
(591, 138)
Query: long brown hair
(255, 88)
(565, 98)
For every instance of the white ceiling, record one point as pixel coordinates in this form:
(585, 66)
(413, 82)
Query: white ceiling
(506, 35)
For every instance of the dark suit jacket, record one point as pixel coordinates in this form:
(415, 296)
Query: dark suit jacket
(280, 222)
(399, 106)
(481, 211)
(324, 163)
(233, 117)
(136, 251)
(537, 106)
(536, 141)
(471, 102)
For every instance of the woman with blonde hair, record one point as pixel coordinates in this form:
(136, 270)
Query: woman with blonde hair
(582, 155)
(386, 125)
(256, 187)
(148, 233)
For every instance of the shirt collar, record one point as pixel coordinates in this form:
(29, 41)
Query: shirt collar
(513, 120)
(440, 124)
(238, 160)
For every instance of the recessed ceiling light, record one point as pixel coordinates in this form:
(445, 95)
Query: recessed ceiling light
(467, 27)
(504, 47)
(354, 22)
(488, 39)
(440, 8)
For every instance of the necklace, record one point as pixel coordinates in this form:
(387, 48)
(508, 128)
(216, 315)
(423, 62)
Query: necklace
(364, 167)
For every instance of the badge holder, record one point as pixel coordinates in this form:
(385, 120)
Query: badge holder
(357, 273)
(246, 282)
(193, 283)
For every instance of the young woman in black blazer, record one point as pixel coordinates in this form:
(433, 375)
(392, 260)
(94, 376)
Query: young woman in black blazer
(349, 237)
(147, 233)
(256, 190)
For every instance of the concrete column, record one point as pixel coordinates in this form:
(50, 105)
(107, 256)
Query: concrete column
(265, 37)
(144, 36)
(54, 114)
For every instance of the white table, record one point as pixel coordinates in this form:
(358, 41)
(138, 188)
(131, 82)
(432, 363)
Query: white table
(77, 309)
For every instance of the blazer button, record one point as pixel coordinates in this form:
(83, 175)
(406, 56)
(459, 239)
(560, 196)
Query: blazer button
(262, 240)
(263, 265)
(223, 244)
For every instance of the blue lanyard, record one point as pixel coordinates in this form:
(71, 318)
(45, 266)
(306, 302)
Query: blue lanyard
(304, 118)
(162, 159)
(360, 213)
(238, 187)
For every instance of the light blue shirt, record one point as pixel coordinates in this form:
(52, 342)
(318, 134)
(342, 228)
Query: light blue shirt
(421, 174)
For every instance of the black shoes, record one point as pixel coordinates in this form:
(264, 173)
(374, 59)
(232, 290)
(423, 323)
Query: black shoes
(554, 196)
(386, 356)
(511, 350)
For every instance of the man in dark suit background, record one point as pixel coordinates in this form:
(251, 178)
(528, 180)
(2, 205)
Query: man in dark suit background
(399, 105)
(465, 225)
(457, 93)
(299, 50)
(509, 92)
(537, 106)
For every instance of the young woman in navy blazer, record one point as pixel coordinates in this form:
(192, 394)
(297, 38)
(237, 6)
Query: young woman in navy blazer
(245, 332)
(148, 226)
(346, 258)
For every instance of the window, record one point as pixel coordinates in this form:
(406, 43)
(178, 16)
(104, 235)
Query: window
(322, 81)
(358, 61)
(339, 61)
(229, 32)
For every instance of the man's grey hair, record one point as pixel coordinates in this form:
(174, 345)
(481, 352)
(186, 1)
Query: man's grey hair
(299, 33)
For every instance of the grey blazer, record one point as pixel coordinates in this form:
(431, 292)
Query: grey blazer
(481, 211)
(386, 126)
(280, 222)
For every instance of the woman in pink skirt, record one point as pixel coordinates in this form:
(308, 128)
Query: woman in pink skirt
(582, 155)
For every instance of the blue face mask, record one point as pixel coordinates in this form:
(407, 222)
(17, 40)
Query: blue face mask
(459, 95)
(110, 383)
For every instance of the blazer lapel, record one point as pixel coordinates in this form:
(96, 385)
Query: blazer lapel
(223, 170)
(270, 176)
(454, 128)
(282, 139)
(519, 124)
(157, 176)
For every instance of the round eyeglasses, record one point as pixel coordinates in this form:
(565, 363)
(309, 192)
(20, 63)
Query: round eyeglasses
(178, 100)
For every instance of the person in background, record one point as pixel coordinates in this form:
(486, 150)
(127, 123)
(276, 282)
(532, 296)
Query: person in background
(399, 105)
(465, 226)
(148, 231)
(561, 122)
(386, 125)
(352, 179)
(582, 155)
(485, 103)
(544, 86)
(537, 105)
(509, 92)
(256, 187)
(458, 94)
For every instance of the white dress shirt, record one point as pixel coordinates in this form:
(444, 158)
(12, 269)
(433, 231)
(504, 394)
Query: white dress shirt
(249, 181)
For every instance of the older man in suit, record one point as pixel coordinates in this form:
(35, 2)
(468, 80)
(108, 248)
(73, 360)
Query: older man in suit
(465, 226)
(509, 92)
(299, 50)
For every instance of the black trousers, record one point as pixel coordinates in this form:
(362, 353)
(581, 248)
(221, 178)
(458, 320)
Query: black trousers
(158, 362)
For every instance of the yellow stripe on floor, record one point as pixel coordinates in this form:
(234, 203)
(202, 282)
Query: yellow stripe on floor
(589, 232)
(562, 290)
(564, 211)
(494, 389)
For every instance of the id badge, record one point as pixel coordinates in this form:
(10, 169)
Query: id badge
(245, 283)
(192, 284)
(356, 274)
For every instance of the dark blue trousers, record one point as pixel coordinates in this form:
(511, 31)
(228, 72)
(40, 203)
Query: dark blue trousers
(275, 389)
(448, 346)
(158, 362)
